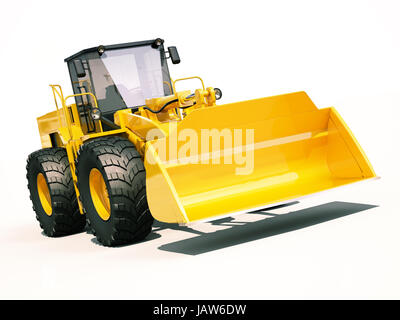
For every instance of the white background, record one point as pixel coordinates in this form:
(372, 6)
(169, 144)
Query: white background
(342, 53)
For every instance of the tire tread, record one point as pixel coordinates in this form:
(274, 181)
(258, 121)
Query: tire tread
(126, 176)
(67, 218)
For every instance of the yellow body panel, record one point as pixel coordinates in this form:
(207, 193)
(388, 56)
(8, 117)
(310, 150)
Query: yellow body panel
(48, 124)
(140, 125)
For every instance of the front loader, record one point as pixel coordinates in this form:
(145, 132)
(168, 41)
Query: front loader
(127, 148)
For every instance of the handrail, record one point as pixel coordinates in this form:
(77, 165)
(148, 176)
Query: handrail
(83, 94)
(58, 90)
(188, 78)
(94, 99)
(169, 86)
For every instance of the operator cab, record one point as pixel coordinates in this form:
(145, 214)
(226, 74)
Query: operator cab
(120, 76)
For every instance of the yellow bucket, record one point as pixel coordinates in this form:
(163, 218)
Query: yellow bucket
(266, 151)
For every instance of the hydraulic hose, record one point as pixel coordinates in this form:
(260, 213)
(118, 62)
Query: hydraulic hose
(163, 107)
(168, 103)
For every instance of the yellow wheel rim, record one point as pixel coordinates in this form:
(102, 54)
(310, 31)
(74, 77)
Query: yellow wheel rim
(99, 194)
(44, 194)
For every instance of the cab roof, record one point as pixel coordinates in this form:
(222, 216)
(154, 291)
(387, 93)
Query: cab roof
(110, 47)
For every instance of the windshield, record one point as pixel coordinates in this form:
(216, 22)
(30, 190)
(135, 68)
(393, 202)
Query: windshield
(123, 78)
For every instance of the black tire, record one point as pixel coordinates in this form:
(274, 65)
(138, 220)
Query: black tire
(124, 175)
(65, 217)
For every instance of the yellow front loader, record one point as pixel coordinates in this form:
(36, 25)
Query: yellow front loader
(127, 148)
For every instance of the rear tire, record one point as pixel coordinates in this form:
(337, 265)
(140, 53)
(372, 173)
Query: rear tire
(112, 187)
(52, 192)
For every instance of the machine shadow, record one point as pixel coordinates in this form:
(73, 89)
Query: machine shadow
(250, 231)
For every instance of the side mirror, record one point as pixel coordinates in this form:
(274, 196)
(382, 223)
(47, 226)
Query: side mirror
(80, 70)
(174, 55)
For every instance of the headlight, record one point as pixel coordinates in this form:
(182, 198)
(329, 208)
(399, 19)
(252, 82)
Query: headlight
(158, 42)
(95, 114)
(101, 49)
(218, 93)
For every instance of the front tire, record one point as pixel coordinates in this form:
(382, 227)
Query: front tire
(112, 187)
(52, 192)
